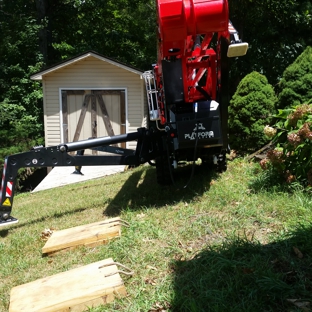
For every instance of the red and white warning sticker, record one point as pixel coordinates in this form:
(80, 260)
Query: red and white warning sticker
(8, 190)
(231, 28)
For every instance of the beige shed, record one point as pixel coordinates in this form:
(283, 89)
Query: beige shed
(91, 96)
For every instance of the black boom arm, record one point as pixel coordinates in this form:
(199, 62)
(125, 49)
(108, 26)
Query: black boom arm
(55, 156)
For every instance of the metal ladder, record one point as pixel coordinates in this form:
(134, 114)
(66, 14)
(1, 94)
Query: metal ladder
(151, 95)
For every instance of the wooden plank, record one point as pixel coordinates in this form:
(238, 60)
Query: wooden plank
(107, 92)
(261, 150)
(65, 115)
(73, 290)
(122, 116)
(82, 117)
(93, 120)
(105, 116)
(75, 92)
(93, 234)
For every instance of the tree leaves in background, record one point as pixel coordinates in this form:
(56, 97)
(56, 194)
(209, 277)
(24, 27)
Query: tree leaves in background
(21, 117)
(277, 32)
(124, 30)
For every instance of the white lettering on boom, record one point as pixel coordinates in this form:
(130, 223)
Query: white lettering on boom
(200, 134)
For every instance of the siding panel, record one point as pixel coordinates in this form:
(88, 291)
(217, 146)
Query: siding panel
(92, 73)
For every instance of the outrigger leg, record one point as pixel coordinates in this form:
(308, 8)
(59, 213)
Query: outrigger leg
(6, 195)
(148, 143)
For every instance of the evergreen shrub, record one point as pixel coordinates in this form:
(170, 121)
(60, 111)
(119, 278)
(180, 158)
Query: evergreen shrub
(296, 83)
(251, 108)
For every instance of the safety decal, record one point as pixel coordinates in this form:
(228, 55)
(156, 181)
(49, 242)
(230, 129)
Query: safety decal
(7, 203)
(8, 190)
(231, 28)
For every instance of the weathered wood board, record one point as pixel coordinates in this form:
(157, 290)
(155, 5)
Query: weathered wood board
(92, 234)
(74, 290)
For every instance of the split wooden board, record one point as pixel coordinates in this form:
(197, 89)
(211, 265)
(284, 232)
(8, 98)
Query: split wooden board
(91, 235)
(74, 290)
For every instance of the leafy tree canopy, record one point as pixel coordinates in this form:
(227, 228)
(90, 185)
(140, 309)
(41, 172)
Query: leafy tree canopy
(276, 31)
(20, 98)
(124, 30)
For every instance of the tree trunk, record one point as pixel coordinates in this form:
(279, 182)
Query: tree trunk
(41, 6)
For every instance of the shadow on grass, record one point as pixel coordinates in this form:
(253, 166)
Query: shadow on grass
(142, 190)
(4, 232)
(247, 276)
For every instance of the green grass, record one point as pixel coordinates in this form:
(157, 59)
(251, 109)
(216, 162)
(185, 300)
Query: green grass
(228, 242)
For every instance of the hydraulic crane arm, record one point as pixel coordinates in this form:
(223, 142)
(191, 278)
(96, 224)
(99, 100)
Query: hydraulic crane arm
(186, 31)
(147, 149)
(189, 66)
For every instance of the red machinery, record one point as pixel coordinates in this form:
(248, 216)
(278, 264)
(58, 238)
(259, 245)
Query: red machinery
(189, 36)
(186, 30)
(187, 101)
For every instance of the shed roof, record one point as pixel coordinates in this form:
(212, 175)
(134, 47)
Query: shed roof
(38, 75)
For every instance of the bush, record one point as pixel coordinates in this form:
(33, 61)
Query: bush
(251, 108)
(19, 132)
(296, 82)
(292, 156)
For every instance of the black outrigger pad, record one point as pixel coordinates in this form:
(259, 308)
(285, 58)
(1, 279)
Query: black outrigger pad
(9, 221)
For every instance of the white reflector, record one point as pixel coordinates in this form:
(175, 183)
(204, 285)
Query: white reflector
(237, 49)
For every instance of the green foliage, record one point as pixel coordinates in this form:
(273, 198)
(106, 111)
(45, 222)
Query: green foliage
(269, 181)
(292, 156)
(19, 131)
(124, 30)
(296, 83)
(16, 124)
(251, 108)
(271, 50)
(21, 116)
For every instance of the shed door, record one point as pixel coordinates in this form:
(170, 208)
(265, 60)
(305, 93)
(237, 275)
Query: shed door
(93, 113)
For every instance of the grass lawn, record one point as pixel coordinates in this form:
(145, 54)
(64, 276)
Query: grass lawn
(227, 242)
